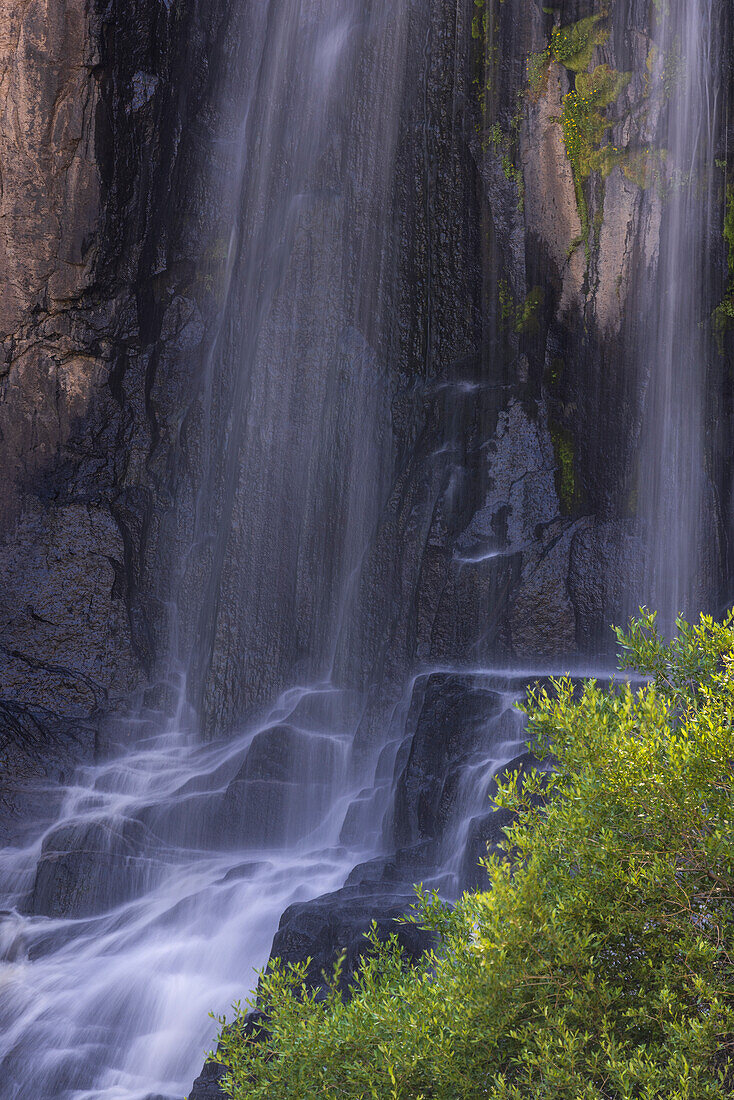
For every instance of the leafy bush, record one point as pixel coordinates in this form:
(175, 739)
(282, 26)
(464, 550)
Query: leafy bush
(597, 964)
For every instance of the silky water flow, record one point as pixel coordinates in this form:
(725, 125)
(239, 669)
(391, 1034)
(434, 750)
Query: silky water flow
(676, 498)
(149, 900)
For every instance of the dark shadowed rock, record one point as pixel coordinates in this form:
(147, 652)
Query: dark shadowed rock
(281, 763)
(483, 836)
(455, 724)
(487, 831)
(337, 922)
(88, 868)
(206, 1086)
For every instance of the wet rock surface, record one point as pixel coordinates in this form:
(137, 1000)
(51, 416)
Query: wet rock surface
(501, 524)
(336, 923)
(91, 99)
(206, 1086)
(89, 869)
(455, 724)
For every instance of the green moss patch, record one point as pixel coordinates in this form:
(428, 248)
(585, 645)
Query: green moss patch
(521, 317)
(573, 46)
(569, 494)
(585, 121)
(729, 227)
(723, 316)
(584, 125)
(537, 67)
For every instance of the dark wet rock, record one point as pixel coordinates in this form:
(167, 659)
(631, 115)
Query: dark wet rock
(487, 831)
(104, 326)
(483, 836)
(334, 923)
(402, 869)
(107, 373)
(193, 820)
(284, 755)
(89, 868)
(283, 785)
(280, 790)
(606, 564)
(454, 724)
(245, 870)
(206, 1086)
(90, 208)
(362, 814)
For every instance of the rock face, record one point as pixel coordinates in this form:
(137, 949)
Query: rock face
(112, 261)
(455, 723)
(88, 869)
(65, 643)
(475, 403)
(51, 181)
(85, 118)
(337, 923)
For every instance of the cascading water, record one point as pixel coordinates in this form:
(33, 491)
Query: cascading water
(160, 885)
(105, 993)
(148, 901)
(676, 496)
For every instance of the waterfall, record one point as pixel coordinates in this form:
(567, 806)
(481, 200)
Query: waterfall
(361, 444)
(676, 496)
(149, 901)
(290, 439)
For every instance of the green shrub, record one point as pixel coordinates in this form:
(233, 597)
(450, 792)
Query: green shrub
(597, 964)
(522, 317)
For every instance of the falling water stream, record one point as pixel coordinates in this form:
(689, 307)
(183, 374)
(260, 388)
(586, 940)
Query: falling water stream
(676, 496)
(116, 1004)
(109, 997)
(158, 889)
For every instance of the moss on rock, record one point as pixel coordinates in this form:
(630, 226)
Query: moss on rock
(573, 46)
(723, 316)
(569, 493)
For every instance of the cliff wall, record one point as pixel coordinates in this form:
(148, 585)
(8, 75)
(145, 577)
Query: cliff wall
(510, 392)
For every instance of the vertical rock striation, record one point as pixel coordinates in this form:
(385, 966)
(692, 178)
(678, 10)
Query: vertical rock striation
(66, 651)
(95, 183)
